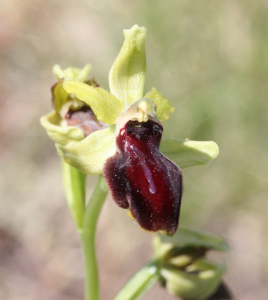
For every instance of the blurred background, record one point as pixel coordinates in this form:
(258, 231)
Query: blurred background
(210, 58)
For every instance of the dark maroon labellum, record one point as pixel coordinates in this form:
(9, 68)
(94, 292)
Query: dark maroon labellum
(142, 179)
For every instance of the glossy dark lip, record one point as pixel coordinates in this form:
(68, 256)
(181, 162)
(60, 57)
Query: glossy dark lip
(142, 179)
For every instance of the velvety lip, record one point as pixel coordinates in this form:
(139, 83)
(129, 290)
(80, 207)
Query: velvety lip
(143, 180)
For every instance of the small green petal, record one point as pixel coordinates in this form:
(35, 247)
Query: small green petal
(82, 76)
(58, 72)
(58, 134)
(186, 153)
(90, 155)
(72, 73)
(59, 96)
(78, 74)
(127, 75)
(104, 105)
(164, 107)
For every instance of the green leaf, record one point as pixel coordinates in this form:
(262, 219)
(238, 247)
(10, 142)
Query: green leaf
(139, 284)
(105, 106)
(74, 183)
(187, 153)
(201, 280)
(59, 134)
(186, 236)
(90, 155)
(127, 75)
(164, 107)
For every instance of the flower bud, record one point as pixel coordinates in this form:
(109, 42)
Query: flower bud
(184, 268)
(197, 281)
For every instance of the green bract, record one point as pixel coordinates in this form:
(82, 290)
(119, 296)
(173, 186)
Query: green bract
(126, 80)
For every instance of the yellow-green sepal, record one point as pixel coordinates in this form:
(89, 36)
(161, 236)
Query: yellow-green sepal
(188, 237)
(187, 153)
(163, 105)
(72, 73)
(60, 134)
(198, 281)
(90, 155)
(127, 75)
(104, 105)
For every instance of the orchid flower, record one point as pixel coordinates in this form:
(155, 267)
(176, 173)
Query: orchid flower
(140, 177)
(72, 119)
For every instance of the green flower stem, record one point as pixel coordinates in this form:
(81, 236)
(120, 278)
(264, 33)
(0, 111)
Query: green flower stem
(140, 283)
(85, 219)
(88, 239)
(74, 184)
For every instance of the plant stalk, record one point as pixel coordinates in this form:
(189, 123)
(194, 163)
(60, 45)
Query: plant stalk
(87, 236)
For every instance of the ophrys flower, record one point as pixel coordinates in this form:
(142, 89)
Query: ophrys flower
(72, 119)
(140, 177)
